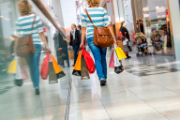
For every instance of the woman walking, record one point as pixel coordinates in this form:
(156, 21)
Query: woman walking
(125, 34)
(23, 28)
(99, 17)
(75, 40)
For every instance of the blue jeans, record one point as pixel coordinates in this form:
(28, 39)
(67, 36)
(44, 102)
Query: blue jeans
(33, 63)
(75, 48)
(100, 59)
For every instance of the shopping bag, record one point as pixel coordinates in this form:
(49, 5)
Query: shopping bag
(84, 70)
(77, 67)
(59, 72)
(118, 67)
(71, 54)
(18, 76)
(52, 75)
(111, 63)
(120, 53)
(44, 67)
(89, 61)
(24, 74)
(12, 66)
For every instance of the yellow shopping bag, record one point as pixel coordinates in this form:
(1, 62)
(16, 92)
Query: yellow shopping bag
(77, 67)
(12, 67)
(120, 53)
(59, 72)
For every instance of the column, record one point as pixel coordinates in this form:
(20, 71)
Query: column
(174, 13)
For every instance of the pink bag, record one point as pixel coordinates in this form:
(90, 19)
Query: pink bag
(45, 67)
(23, 72)
(111, 64)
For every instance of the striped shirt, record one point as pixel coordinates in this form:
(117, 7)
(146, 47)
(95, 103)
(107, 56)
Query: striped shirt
(99, 17)
(24, 24)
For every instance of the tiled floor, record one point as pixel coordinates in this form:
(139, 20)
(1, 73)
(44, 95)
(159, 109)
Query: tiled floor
(148, 89)
(21, 103)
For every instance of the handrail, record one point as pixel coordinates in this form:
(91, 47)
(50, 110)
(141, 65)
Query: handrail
(49, 15)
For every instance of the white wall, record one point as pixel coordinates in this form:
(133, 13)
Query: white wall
(69, 12)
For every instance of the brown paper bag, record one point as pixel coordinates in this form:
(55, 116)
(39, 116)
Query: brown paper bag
(84, 70)
(71, 54)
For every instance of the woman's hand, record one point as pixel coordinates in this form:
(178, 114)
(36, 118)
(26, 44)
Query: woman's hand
(47, 48)
(115, 41)
(81, 45)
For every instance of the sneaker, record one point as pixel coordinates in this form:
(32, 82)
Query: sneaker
(103, 83)
(37, 91)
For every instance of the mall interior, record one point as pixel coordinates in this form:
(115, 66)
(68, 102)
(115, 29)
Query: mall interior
(148, 88)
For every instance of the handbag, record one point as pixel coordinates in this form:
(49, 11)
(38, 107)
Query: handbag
(25, 46)
(120, 35)
(102, 35)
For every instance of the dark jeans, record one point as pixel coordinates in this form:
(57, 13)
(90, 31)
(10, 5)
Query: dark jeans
(75, 48)
(33, 63)
(100, 59)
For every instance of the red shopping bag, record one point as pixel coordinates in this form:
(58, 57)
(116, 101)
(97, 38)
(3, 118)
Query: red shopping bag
(89, 61)
(45, 67)
(111, 64)
(120, 35)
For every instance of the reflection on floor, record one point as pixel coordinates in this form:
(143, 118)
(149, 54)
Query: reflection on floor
(148, 89)
(21, 103)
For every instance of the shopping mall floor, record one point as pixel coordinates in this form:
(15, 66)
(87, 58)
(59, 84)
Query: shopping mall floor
(148, 89)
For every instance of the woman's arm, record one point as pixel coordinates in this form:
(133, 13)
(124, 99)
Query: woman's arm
(41, 34)
(82, 36)
(112, 33)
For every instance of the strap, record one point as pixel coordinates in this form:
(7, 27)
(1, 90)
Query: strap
(89, 16)
(33, 22)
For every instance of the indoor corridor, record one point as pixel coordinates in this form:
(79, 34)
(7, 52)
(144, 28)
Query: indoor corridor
(148, 89)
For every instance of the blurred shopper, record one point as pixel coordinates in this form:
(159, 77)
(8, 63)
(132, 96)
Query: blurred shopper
(23, 28)
(62, 49)
(75, 40)
(125, 34)
(99, 17)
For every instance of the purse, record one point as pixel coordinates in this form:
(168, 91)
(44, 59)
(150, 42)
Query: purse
(25, 46)
(102, 35)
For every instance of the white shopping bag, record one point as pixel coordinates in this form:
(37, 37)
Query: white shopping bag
(118, 67)
(116, 60)
(18, 75)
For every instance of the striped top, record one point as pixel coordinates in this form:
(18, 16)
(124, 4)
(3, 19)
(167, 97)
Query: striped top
(99, 17)
(24, 24)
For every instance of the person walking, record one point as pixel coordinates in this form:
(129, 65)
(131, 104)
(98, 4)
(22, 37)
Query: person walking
(125, 34)
(99, 17)
(75, 40)
(23, 28)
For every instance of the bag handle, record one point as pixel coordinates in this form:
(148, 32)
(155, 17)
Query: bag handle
(89, 16)
(33, 23)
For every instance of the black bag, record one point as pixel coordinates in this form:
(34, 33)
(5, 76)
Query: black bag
(119, 69)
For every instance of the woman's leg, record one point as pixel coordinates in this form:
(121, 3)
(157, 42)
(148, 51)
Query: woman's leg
(103, 61)
(36, 58)
(29, 61)
(97, 56)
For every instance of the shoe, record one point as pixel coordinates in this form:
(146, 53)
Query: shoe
(128, 57)
(37, 91)
(103, 83)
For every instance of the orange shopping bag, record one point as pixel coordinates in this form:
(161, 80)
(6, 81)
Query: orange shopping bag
(77, 67)
(59, 72)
